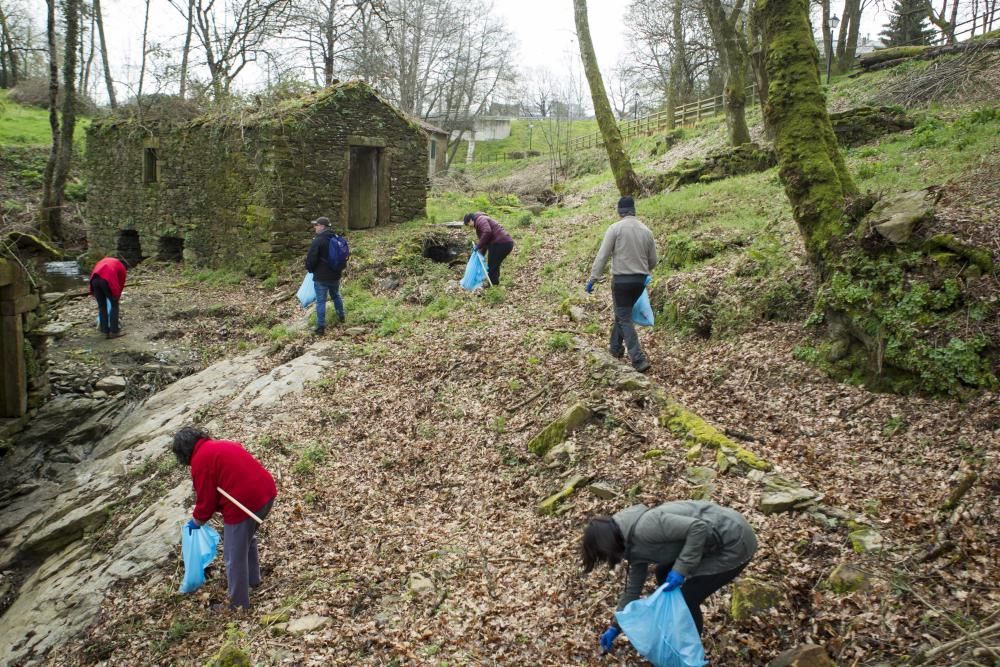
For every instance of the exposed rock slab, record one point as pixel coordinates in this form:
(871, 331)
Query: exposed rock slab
(69, 578)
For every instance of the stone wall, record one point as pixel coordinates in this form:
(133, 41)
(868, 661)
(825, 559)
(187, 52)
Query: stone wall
(24, 376)
(240, 190)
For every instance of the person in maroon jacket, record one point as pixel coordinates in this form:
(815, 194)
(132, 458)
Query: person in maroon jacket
(107, 281)
(222, 465)
(492, 238)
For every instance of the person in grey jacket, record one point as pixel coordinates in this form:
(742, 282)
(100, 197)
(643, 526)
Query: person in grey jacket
(692, 544)
(632, 250)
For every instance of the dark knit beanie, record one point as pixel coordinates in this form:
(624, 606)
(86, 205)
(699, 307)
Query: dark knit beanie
(626, 206)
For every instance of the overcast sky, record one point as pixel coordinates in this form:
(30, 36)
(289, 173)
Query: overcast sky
(544, 29)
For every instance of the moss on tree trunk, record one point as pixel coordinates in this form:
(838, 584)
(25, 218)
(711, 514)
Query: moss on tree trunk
(621, 166)
(902, 318)
(811, 167)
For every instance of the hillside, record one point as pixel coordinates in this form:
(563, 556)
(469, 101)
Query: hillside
(407, 527)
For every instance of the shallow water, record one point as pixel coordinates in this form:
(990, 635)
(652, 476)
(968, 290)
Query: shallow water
(63, 276)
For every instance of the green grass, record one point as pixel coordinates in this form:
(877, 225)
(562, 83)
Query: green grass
(522, 136)
(902, 161)
(29, 126)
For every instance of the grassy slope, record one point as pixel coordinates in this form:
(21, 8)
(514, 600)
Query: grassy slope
(29, 126)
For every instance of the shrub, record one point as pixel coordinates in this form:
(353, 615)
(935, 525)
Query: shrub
(35, 93)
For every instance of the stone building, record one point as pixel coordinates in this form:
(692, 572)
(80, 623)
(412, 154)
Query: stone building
(437, 147)
(238, 189)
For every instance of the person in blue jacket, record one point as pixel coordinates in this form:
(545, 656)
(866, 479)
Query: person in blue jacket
(693, 545)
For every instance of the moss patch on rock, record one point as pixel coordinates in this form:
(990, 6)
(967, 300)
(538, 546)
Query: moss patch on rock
(696, 431)
(551, 504)
(556, 431)
(745, 159)
(229, 656)
(858, 126)
(751, 597)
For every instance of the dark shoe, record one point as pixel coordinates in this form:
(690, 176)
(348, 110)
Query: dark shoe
(319, 331)
(643, 367)
(340, 318)
(115, 334)
(618, 355)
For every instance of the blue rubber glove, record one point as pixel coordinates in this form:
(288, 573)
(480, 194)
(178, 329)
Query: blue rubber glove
(192, 525)
(590, 287)
(608, 639)
(674, 580)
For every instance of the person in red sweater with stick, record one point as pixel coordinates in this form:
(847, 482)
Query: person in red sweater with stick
(229, 480)
(107, 281)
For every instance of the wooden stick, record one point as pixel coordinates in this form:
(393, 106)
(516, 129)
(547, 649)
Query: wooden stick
(240, 505)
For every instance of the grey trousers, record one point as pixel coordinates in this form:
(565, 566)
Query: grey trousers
(625, 291)
(239, 551)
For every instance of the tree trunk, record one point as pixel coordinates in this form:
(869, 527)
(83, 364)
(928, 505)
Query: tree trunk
(85, 70)
(104, 56)
(187, 50)
(825, 28)
(621, 166)
(678, 63)
(71, 9)
(11, 57)
(758, 65)
(811, 166)
(853, 32)
(49, 223)
(331, 37)
(733, 61)
(142, 62)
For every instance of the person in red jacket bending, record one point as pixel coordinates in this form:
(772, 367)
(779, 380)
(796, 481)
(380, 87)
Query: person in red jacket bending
(107, 281)
(218, 468)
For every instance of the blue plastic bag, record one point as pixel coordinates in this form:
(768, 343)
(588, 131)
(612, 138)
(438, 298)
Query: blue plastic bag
(661, 629)
(307, 291)
(199, 548)
(642, 311)
(475, 272)
(99, 314)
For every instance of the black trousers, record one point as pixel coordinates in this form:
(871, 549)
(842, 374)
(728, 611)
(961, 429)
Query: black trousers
(497, 253)
(697, 589)
(102, 292)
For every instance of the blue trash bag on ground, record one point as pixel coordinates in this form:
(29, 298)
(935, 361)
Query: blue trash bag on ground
(307, 291)
(199, 548)
(661, 629)
(99, 314)
(642, 311)
(475, 272)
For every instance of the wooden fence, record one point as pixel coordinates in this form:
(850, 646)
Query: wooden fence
(683, 115)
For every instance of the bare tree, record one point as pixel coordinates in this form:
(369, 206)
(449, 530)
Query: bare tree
(727, 28)
(621, 165)
(145, 53)
(326, 31)
(232, 34)
(540, 89)
(57, 168)
(108, 83)
(944, 20)
(8, 59)
(672, 51)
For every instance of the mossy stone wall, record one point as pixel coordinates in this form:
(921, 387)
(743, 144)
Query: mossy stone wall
(240, 190)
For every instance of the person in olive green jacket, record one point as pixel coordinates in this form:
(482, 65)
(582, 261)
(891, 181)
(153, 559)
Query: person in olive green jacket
(695, 545)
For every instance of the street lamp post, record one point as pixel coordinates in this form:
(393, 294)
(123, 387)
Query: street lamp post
(834, 22)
